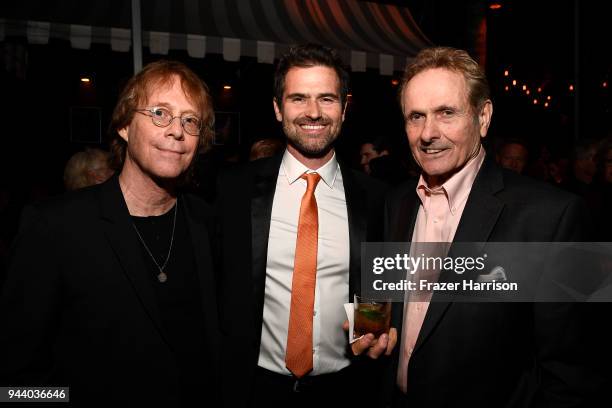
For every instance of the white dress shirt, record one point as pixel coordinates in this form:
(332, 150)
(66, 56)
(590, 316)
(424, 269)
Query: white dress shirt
(332, 282)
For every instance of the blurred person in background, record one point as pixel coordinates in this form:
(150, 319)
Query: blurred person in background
(371, 150)
(558, 169)
(87, 168)
(266, 148)
(513, 155)
(379, 161)
(582, 168)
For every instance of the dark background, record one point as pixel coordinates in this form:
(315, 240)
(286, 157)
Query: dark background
(547, 44)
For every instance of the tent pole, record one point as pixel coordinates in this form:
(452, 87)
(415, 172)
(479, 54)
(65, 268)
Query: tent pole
(136, 35)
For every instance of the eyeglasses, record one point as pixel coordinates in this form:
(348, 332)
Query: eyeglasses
(162, 117)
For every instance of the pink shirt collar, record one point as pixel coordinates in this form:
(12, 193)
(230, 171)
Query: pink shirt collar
(458, 187)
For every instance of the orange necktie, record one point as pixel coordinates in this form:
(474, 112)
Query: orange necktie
(299, 339)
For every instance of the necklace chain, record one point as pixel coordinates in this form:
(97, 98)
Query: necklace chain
(162, 277)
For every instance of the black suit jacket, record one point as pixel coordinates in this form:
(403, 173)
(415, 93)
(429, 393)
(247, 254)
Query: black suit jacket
(498, 354)
(78, 308)
(245, 196)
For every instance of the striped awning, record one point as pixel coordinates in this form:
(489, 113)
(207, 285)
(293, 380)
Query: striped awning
(368, 35)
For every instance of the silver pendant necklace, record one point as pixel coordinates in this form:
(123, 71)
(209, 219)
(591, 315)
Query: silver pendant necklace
(161, 277)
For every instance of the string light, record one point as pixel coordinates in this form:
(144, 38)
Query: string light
(85, 80)
(544, 100)
(227, 87)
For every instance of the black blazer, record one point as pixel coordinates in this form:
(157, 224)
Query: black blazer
(244, 206)
(78, 309)
(498, 354)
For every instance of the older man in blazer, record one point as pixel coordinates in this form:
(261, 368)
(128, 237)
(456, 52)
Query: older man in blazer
(454, 354)
(275, 353)
(110, 289)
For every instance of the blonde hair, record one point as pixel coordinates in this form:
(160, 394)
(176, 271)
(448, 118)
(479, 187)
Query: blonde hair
(78, 168)
(454, 60)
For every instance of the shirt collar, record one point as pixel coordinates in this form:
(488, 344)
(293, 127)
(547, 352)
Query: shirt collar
(294, 169)
(458, 187)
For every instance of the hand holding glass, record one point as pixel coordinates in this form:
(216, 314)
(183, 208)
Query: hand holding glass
(371, 316)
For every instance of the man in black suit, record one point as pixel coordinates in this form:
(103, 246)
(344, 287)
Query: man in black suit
(455, 354)
(261, 208)
(110, 289)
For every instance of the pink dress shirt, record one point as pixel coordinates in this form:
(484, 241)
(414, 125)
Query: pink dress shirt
(437, 221)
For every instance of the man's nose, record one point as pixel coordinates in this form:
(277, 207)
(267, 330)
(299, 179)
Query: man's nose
(430, 130)
(175, 129)
(313, 110)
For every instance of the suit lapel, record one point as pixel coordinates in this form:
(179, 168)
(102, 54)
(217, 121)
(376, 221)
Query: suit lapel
(357, 222)
(262, 197)
(198, 231)
(404, 219)
(400, 227)
(117, 227)
(482, 208)
(479, 217)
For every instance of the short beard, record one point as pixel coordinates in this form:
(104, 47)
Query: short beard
(308, 151)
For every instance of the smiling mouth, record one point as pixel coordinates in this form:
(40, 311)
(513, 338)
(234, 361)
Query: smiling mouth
(170, 151)
(312, 127)
(428, 150)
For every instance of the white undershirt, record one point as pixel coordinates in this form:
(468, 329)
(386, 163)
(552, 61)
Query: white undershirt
(332, 283)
